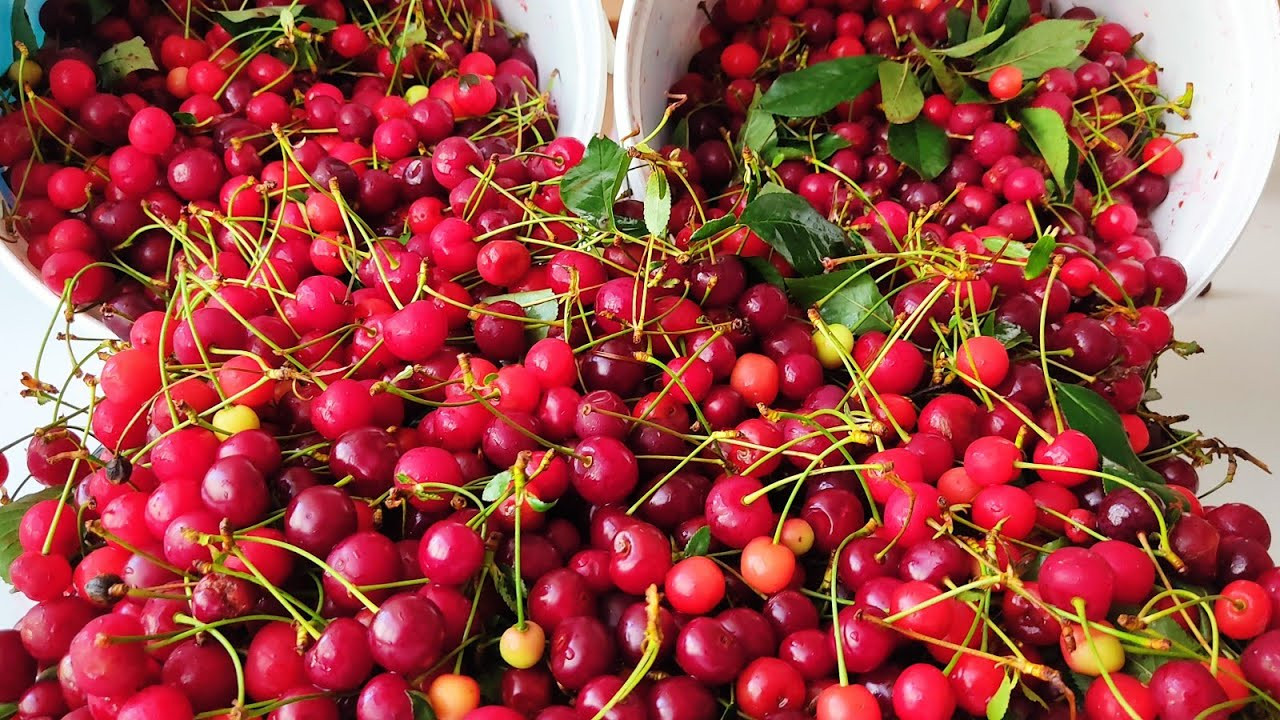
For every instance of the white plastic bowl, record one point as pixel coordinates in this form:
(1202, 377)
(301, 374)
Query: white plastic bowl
(571, 40)
(1227, 49)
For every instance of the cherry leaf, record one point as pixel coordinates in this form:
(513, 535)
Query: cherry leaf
(1039, 48)
(496, 486)
(1040, 256)
(900, 92)
(125, 57)
(999, 703)
(759, 130)
(922, 146)
(821, 148)
(972, 47)
(657, 204)
(20, 27)
(711, 228)
(790, 225)
(847, 297)
(1049, 136)
(699, 543)
(590, 188)
(818, 88)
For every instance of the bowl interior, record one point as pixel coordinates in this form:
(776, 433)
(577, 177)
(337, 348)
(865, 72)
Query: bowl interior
(1224, 48)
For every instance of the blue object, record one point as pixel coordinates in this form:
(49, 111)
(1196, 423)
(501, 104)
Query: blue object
(7, 54)
(6, 26)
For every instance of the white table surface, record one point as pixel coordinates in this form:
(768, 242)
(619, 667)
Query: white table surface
(1231, 391)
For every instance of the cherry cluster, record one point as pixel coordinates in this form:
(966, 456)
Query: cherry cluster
(411, 417)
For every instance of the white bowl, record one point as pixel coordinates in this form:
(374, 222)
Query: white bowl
(1225, 48)
(571, 40)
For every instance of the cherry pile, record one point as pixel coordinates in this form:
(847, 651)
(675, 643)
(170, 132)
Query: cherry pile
(411, 418)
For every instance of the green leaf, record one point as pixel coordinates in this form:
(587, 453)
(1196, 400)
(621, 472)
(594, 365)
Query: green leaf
(790, 225)
(999, 704)
(1010, 335)
(657, 204)
(538, 304)
(186, 119)
(496, 486)
(759, 130)
(1007, 17)
(123, 58)
(1187, 349)
(11, 516)
(949, 81)
(412, 36)
(538, 504)
(1143, 666)
(996, 12)
(238, 22)
(819, 88)
(767, 272)
(976, 24)
(1087, 411)
(699, 543)
(711, 228)
(1017, 17)
(1041, 47)
(680, 134)
(849, 297)
(1004, 247)
(957, 26)
(922, 146)
(1040, 257)
(505, 584)
(972, 47)
(1049, 135)
(98, 9)
(421, 708)
(822, 147)
(900, 92)
(20, 27)
(590, 188)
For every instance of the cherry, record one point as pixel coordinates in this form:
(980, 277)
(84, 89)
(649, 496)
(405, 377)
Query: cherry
(992, 461)
(855, 702)
(581, 649)
(303, 703)
(769, 685)
(1068, 573)
(406, 634)
(731, 519)
(1240, 520)
(1070, 449)
(106, 668)
(1243, 610)
(364, 558)
(318, 518)
(681, 698)
(340, 659)
(922, 692)
(641, 557)
(1184, 689)
(204, 674)
(1103, 702)
(157, 701)
(21, 667)
(708, 653)
(694, 586)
